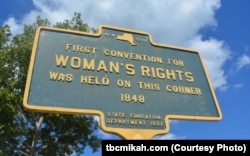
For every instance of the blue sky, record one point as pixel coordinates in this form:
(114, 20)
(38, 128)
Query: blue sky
(218, 29)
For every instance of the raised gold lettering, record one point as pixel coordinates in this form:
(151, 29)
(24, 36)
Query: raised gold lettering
(102, 66)
(176, 62)
(149, 86)
(93, 80)
(183, 90)
(60, 76)
(132, 55)
(189, 77)
(116, 114)
(156, 123)
(130, 69)
(91, 65)
(161, 73)
(80, 48)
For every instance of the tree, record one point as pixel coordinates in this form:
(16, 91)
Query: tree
(29, 133)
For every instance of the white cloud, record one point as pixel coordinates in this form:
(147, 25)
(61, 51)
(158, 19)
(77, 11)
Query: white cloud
(243, 61)
(16, 28)
(238, 85)
(215, 54)
(169, 136)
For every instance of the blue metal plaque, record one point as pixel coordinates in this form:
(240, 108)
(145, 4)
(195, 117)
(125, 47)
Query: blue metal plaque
(132, 83)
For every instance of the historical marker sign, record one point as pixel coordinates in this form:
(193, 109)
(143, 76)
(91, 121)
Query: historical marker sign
(132, 83)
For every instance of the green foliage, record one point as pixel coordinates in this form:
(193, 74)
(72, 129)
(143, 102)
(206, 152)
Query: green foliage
(20, 131)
